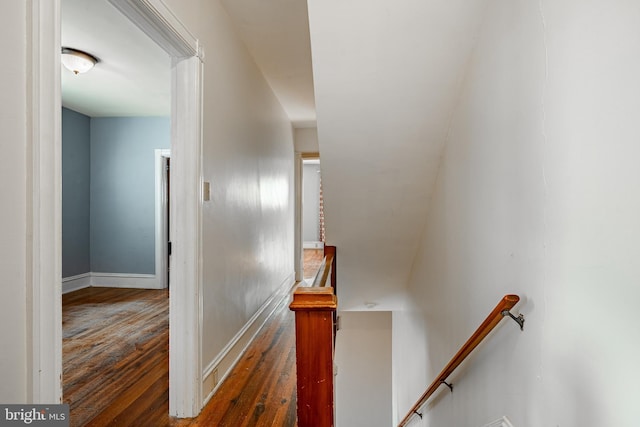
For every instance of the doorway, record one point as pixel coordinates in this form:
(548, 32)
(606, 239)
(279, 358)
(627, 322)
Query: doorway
(45, 308)
(313, 231)
(126, 207)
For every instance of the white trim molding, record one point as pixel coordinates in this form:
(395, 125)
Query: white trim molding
(157, 21)
(45, 222)
(298, 255)
(75, 283)
(502, 422)
(120, 280)
(185, 291)
(161, 202)
(218, 369)
(110, 280)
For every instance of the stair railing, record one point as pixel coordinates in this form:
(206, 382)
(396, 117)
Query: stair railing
(499, 312)
(315, 309)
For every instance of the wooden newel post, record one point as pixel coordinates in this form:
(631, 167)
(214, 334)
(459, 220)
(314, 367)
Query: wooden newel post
(314, 308)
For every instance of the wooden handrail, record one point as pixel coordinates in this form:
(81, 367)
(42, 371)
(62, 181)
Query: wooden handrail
(325, 269)
(315, 309)
(485, 328)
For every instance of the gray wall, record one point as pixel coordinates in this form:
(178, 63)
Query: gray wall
(108, 192)
(75, 193)
(311, 203)
(122, 192)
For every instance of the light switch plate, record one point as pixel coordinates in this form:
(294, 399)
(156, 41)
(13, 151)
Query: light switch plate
(206, 191)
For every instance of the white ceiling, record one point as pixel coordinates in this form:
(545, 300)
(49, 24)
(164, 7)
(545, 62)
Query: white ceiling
(276, 32)
(133, 77)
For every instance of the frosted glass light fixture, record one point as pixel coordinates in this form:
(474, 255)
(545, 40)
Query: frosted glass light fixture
(77, 60)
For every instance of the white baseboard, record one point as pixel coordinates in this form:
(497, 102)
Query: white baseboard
(111, 280)
(221, 366)
(120, 280)
(312, 245)
(74, 283)
(502, 422)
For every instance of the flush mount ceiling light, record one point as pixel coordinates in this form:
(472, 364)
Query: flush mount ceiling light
(77, 60)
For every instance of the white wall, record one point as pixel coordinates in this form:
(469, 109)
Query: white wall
(248, 158)
(306, 140)
(363, 382)
(537, 195)
(13, 219)
(409, 354)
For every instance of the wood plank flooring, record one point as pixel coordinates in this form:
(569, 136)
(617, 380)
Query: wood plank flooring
(115, 363)
(312, 258)
(261, 389)
(115, 352)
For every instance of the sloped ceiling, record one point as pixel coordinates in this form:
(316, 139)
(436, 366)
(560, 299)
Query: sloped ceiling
(387, 75)
(133, 75)
(276, 32)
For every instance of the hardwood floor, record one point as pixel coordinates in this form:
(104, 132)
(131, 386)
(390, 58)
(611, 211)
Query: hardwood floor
(312, 258)
(261, 389)
(115, 353)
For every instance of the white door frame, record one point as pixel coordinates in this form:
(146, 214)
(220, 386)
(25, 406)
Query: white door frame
(298, 254)
(44, 256)
(161, 217)
(157, 21)
(299, 158)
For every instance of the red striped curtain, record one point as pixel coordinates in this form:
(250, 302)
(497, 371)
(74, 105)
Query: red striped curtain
(321, 215)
